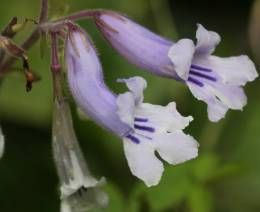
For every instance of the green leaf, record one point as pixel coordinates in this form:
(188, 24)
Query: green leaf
(200, 199)
(205, 166)
(116, 201)
(58, 8)
(209, 168)
(172, 190)
(243, 148)
(43, 44)
(134, 201)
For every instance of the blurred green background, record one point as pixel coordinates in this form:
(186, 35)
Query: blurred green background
(226, 175)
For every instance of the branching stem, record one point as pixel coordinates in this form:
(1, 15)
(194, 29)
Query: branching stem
(31, 40)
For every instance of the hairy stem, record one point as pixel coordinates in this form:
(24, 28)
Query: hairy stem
(80, 15)
(44, 11)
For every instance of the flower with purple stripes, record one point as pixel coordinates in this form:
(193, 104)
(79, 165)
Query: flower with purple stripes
(144, 128)
(214, 80)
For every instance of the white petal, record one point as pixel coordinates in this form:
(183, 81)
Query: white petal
(136, 85)
(79, 179)
(232, 96)
(232, 70)
(142, 162)
(216, 108)
(163, 118)
(206, 40)
(2, 143)
(231, 73)
(181, 55)
(65, 206)
(126, 108)
(176, 147)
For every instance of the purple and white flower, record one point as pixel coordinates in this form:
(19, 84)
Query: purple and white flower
(144, 128)
(216, 81)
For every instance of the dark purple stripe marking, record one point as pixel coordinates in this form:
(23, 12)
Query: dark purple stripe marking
(197, 82)
(141, 119)
(201, 68)
(134, 139)
(205, 76)
(144, 128)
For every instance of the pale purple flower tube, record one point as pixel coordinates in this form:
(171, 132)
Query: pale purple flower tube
(137, 44)
(214, 80)
(85, 78)
(144, 128)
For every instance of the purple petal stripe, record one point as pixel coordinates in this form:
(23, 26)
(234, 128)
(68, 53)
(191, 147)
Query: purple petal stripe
(200, 68)
(195, 73)
(144, 128)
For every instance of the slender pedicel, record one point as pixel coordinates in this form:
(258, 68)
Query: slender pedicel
(144, 128)
(214, 80)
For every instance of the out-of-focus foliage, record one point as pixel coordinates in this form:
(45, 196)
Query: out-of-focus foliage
(225, 177)
(254, 30)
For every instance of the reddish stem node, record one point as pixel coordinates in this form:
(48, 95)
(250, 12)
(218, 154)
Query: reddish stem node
(55, 64)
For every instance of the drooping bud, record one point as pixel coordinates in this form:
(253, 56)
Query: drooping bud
(79, 190)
